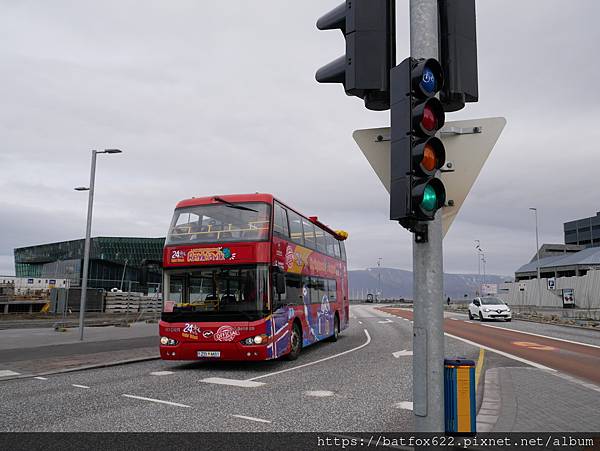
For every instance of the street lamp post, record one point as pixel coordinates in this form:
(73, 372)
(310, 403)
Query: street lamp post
(379, 278)
(479, 254)
(88, 231)
(537, 254)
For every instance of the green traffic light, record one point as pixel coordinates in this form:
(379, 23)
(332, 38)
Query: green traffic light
(429, 202)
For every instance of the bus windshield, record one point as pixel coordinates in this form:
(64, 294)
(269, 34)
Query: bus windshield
(218, 223)
(216, 293)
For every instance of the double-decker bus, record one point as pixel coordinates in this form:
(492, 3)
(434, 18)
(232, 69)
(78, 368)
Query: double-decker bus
(248, 278)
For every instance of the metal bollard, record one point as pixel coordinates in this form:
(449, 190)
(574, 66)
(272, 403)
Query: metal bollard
(459, 397)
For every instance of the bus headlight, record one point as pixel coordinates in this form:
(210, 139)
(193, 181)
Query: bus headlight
(257, 340)
(166, 341)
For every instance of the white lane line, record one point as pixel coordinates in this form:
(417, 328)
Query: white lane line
(454, 319)
(40, 378)
(160, 401)
(80, 386)
(160, 373)
(244, 417)
(406, 405)
(234, 382)
(505, 354)
(360, 322)
(6, 373)
(542, 336)
(402, 353)
(317, 361)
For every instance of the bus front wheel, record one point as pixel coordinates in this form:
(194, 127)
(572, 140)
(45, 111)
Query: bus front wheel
(295, 342)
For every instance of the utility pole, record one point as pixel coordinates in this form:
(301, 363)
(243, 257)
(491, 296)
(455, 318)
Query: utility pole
(379, 276)
(428, 328)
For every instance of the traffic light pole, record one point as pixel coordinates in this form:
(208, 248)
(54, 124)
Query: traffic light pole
(428, 327)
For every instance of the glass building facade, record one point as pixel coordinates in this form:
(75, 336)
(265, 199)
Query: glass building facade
(112, 260)
(584, 232)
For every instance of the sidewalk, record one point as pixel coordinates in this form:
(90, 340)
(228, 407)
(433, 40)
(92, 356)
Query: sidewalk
(525, 399)
(37, 352)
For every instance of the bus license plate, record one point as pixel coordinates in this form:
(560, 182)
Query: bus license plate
(216, 354)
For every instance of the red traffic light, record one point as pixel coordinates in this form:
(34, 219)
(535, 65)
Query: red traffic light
(428, 118)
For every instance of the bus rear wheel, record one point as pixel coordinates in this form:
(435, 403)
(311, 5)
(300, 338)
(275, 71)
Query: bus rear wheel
(336, 329)
(295, 343)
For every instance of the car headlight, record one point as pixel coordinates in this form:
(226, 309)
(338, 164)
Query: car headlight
(166, 341)
(486, 309)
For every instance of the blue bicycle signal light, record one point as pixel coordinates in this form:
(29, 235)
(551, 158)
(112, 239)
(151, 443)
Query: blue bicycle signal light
(428, 82)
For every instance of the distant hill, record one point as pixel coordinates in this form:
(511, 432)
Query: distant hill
(398, 283)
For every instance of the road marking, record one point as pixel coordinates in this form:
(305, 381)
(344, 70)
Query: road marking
(160, 373)
(454, 319)
(532, 345)
(402, 353)
(542, 336)
(360, 322)
(160, 401)
(406, 405)
(80, 386)
(479, 366)
(316, 361)
(385, 322)
(6, 373)
(41, 378)
(233, 382)
(505, 354)
(260, 420)
(319, 393)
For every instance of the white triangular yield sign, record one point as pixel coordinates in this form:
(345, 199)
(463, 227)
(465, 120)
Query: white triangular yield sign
(468, 145)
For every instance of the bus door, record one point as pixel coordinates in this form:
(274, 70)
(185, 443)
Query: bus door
(283, 312)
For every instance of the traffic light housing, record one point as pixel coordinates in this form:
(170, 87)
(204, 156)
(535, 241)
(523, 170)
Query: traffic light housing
(416, 154)
(458, 53)
(369, 29)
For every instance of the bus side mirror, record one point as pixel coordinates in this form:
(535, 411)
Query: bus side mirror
(280, 283)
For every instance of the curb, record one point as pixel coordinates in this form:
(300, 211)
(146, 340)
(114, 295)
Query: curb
(84, 367)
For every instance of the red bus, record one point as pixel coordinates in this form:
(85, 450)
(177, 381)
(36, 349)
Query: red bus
(248, 278)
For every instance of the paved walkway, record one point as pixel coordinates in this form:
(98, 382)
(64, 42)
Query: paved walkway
(525, 399)
(37, 352)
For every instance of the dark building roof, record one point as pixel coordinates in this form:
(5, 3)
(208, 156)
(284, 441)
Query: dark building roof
(585, 258)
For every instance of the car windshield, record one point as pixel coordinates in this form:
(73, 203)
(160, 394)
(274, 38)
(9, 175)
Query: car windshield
(491, 301)
(218, 223)
(216, 293)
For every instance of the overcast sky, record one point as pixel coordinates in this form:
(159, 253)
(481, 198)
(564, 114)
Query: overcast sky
(212, 97)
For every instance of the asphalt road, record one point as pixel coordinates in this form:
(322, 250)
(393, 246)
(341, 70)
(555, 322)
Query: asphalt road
(575, 358)
(359, 386)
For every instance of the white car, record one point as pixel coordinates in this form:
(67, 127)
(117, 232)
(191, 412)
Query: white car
(489, 307)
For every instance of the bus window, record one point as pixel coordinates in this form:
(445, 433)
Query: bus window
(293, 287)
(343, 248)
(317, 290)
(332, 286)
(321, 243)
(309, 234)
(296, 228)
(336, 249)
(280, 221)
(330, 242)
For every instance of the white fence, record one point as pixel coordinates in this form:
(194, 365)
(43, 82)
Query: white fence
(586, 291)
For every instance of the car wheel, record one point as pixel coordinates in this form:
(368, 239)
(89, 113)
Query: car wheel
(295, 343)
(508, 320)
(481, 316)
(336, 329)
(470, 316)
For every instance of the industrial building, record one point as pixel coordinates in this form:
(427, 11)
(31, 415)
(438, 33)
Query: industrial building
(584, 232)
(568, 264)
(114, 262)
